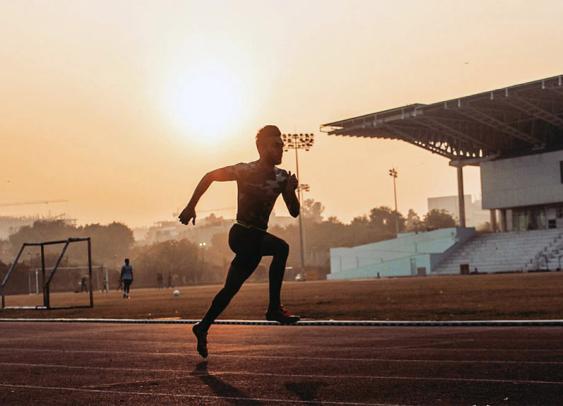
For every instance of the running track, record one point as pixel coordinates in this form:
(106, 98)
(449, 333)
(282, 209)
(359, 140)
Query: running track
(143, 364)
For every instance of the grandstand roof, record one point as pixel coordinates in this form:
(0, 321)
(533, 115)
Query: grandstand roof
(514, 120)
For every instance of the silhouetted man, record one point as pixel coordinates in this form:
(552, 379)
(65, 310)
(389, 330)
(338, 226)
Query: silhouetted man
(126, 278)
(259, 185)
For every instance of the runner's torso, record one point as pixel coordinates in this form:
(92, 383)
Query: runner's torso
(258, 189)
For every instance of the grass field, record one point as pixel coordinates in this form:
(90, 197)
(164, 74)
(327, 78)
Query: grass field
(473, 297)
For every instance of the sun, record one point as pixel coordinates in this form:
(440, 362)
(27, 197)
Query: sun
(207, 103)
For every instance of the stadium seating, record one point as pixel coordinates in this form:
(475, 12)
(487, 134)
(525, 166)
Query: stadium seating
(506, 252)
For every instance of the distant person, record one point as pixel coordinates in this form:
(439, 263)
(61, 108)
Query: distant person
(105, 288)
(159, 280)
(84, 284)
(259, 185)
(126, 278)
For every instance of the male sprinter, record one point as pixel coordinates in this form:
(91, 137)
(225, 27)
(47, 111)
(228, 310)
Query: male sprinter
(259, 185)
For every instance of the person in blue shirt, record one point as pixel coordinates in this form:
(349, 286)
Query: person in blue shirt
(259, 184)
(126, 278)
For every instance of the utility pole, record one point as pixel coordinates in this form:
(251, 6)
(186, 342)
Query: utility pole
(297, 142)
(202, 246)
(394, 174)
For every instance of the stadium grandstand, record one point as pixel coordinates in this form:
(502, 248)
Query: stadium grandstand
(515, 135)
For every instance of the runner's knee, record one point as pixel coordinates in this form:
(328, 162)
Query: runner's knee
(283, 249)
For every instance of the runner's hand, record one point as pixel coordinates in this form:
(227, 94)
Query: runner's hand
(292, 183)
(187, 214)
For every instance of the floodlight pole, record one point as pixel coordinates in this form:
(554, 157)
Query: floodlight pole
(202, 246)
(91, 293)
(296, 142)
(301, 239)
(44, 279)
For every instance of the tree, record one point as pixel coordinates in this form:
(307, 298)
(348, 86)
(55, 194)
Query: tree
(180, 259)
(438, 219)
(110, 243)
(312, 210)
(413, 222)
(333, 220)
(360, 220)
(383, 220)
(42, 230)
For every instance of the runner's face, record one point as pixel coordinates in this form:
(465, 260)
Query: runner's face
(275, 150)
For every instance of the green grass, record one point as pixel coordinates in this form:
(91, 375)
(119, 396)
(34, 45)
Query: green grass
(473, 297)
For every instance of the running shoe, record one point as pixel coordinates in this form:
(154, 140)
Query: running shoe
(201, 336)
(281, 315)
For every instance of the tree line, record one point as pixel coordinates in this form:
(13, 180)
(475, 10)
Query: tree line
(181, 262)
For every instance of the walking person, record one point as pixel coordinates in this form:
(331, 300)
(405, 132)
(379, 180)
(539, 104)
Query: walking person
(126, 278)
(259, 184)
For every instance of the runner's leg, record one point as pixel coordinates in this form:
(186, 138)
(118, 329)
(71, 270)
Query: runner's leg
(279, 249)
(246, 244)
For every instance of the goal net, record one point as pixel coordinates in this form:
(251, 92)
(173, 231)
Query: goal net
(53, 282)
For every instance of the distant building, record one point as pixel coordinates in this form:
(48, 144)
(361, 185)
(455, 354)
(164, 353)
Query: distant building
(202, 232)
(10, 225)
(410, 254)
(474, 214)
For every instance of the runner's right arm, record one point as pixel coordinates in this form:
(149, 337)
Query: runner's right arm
(218, 175)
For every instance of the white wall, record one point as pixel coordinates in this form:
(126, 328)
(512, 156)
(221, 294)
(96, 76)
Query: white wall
(523, 181)
(399, 256)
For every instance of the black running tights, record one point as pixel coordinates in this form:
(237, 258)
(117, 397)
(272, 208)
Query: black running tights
(250, 245)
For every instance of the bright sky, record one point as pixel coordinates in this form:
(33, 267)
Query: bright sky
(120, 107)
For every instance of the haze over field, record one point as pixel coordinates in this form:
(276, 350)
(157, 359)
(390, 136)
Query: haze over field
(120, 107)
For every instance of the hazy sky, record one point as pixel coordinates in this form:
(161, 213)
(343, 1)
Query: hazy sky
(121, 106)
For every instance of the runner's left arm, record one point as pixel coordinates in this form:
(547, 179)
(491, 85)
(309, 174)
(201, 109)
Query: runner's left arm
(289, 196)
(225, 174)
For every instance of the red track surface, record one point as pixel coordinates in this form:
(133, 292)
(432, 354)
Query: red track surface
(52, 363)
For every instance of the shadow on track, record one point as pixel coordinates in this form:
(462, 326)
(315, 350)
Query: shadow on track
(220, 387)
(306, 391)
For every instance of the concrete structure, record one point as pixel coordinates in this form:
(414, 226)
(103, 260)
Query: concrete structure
(407, 255)
(491, 129)
(526, 192)
(474, 214)
(515, 135)
(10, 225)
(506, 252)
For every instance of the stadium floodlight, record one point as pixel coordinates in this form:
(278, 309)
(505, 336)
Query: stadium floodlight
(394, 174)
(296, 142)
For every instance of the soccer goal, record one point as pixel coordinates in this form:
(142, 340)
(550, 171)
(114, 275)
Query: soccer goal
(44, 277)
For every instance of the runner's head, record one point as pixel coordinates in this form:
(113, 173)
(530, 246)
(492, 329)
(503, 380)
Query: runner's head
(270, 144)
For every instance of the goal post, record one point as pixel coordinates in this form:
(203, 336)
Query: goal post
(48, 274)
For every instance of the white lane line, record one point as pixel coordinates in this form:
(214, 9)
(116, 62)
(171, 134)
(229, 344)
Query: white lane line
(331, 323)
(277, 375)
(187, 344)
(181, 395)
(246, 356)
(378, 343)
